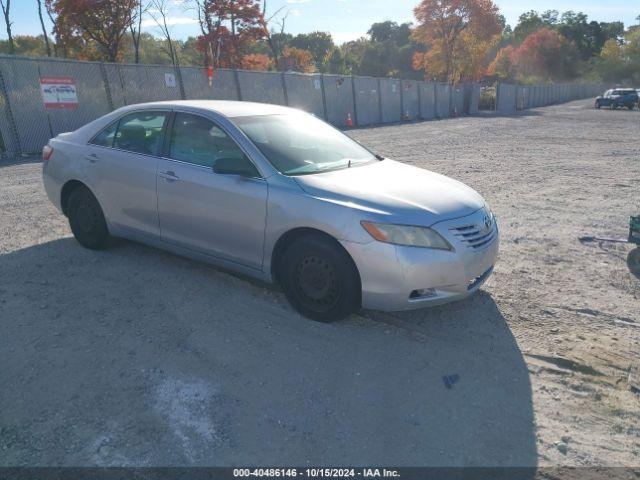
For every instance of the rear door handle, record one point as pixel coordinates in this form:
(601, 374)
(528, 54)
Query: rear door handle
(93, 158)
(169, 176)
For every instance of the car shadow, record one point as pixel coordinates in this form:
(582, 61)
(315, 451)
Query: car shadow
(132, 356)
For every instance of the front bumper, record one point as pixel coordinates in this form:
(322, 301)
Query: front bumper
(391, 273)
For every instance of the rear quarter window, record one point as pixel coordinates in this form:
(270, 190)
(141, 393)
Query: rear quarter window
(105, 137)
(140, 132)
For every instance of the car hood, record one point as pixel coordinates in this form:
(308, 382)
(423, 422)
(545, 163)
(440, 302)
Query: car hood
(401, 191)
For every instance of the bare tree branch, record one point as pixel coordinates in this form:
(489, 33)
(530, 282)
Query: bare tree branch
(44, 30)
(136, 30)
(6, 9)
(159, 12)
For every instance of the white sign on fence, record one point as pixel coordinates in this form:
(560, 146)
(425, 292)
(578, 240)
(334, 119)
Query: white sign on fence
(170, 80)
(58, 92)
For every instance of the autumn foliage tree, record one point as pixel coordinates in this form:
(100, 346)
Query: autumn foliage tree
(229, 27)
(297, 59)
(543, 55)
(256, 61)
(503, 66)
(459, 35)
(102, 22)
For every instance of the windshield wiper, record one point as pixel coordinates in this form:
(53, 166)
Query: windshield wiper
(326, 166)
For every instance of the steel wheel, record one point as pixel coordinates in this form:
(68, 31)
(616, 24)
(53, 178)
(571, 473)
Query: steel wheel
(319, 278)
(86, 219)
(317, 283)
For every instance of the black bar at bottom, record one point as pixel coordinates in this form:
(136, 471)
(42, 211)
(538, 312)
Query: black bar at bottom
(404, 473)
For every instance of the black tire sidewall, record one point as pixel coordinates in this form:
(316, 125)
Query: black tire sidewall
(349, 284)
(96, 238)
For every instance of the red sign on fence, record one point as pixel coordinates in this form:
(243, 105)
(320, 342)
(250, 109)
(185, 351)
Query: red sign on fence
(58, 92)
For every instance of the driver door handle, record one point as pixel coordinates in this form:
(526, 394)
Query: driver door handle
(169, 176)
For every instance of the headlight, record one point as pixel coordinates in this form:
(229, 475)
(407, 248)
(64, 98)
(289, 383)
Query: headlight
(406, 235)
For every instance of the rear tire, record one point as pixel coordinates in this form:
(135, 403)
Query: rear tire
(86, 219)
(319, 279)
(613, 106)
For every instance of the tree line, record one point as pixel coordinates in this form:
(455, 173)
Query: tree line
(451, 40)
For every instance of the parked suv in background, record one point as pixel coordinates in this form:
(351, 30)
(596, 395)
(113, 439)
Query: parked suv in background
(618, 97)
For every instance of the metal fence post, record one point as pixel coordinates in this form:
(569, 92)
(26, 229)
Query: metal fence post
(46, 110)
(107, 87)
(237, 82)
(183, 95)
(419, 99)
(436, 113)
(124, 91)
(284, 89)
(402, 112)
(379, 101)
(353, 94)
(324, 97)
(10, 118)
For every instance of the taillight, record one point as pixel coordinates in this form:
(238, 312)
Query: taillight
(47, 151)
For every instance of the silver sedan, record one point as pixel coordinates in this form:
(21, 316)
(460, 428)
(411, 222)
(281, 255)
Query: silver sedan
(276, 194)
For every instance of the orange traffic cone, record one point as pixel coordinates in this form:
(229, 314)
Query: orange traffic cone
(349, 121)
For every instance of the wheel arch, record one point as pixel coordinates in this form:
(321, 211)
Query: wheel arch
(290, 236)
(67, 188)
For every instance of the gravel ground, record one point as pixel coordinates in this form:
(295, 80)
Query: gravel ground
(133, 356)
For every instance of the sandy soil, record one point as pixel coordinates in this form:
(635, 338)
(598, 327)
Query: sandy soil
(133, 356)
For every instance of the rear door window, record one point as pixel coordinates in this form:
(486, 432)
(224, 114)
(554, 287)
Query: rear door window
(140, 132)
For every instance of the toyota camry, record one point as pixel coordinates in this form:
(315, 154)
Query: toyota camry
(277, 194)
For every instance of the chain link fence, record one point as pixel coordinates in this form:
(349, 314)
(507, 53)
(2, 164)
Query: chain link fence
(512, 98)
(26, 124)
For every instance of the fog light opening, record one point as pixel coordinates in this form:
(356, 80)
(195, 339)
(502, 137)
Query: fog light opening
(422, 293)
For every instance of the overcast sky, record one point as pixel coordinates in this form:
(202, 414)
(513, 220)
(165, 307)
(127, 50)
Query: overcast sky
(349, 19)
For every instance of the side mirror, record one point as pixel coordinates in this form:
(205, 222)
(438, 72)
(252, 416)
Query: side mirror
(235, 166)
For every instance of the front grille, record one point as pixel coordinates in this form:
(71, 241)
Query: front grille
(476, 236)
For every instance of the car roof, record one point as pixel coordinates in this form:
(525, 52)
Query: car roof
(228, 108)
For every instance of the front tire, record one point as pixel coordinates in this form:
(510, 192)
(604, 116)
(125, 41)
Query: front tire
(598, 105)
(86, 219)
(319, 279)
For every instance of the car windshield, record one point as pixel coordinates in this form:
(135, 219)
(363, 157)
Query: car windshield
(300, 144)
